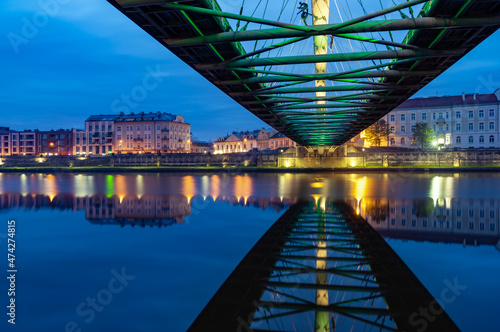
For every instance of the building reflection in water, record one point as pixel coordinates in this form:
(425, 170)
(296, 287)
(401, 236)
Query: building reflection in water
(467, 220)
(135, 210)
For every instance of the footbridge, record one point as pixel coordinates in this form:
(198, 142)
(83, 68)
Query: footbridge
(323, 71)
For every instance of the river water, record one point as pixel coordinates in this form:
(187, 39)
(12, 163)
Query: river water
(146, 252)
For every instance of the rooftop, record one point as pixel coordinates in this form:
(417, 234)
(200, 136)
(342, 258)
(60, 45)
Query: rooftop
(463, 99)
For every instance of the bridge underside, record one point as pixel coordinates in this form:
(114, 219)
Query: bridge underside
(361, 86)
(320, 267)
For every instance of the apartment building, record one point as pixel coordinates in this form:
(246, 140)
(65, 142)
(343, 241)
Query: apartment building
(55, 142)
(463, 121)
(152, 132)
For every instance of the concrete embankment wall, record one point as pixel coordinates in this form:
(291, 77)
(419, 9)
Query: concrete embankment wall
(384, 159)
(236, 159)
(443, 159)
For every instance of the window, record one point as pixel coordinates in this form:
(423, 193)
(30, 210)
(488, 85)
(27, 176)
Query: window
(458, 126)
(481, 113)
(109, 128)
(90, 128)
(393, 141)
(471, 114)
(403, 222)
(403, 141)
(459, 225)
(471, 139)
(481, 213)
(119, 136)
(492, 139)
(492, 227)
(403, 129)
(492, 113)
(393, 117)
(138, 127)
(471, 225)
(433, 116)
(103, 128)
(412, 116)
(459, 213)
(119, 128)
(491, 125)
(492, 213)
(403, 117)
(412, 129)
(481, 125)
(471, 126)
(458, 115)
(413, 223)
(392, 129)
(459, 140)
(447, 115)
(471, 213)
(424, 116)
(447, 127)
(424, 223)
(481, 139)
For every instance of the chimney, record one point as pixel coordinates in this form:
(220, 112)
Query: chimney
(463, 96)
(475, 96)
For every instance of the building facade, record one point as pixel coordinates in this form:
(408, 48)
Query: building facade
(97, 137)
(152, 132)
(245, 141)
(35, 142)
(201, 147)
(465, 121)
(55, 142)
(134, 133)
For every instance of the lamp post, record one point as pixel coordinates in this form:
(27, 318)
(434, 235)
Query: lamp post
(363, 157)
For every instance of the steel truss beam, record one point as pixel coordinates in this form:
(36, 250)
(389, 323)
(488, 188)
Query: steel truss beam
(345, 102)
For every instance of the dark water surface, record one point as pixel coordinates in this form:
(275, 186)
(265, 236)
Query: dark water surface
(147, 252)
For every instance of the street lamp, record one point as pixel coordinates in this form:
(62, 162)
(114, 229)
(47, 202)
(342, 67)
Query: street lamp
(363, 157)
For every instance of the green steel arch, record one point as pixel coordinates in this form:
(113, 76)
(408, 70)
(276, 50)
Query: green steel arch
(328, 105)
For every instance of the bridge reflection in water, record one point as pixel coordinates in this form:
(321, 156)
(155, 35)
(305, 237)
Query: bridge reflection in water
(321, 267)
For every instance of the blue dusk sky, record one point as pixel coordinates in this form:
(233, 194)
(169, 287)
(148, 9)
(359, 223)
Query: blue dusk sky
(64, 60)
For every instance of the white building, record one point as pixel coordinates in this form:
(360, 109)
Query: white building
(466, 121)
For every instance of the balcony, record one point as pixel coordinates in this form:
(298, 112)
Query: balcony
(440, 120)
(138, 140)
(165, 130)
(164, 138)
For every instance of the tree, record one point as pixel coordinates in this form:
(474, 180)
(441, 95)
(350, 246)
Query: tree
(377, 132)
(423, 135)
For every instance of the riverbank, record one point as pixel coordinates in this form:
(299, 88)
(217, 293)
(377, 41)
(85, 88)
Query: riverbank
(249, 169)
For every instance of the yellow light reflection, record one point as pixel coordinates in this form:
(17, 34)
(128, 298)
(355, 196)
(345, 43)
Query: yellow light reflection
(139, 183)
(188, 187)
(214, 186)
(243, 187)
